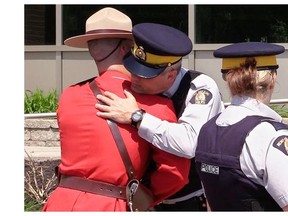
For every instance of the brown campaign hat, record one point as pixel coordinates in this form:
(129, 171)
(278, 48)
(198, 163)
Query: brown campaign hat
(105, 23)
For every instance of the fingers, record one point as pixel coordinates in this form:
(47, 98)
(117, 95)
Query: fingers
(104, 110)
(104, 115)
(116, 108)
(130, 97)
(110, 95)
(104, 99)
(128, 94)
(102, 107)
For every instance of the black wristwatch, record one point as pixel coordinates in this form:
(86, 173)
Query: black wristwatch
(136, 117)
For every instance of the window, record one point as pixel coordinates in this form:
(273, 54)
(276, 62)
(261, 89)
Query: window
(238, 23)
(74, 16)
(40, 25)
(213, 23)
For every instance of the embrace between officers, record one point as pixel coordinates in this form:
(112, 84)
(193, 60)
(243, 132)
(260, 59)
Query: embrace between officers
(173, 122)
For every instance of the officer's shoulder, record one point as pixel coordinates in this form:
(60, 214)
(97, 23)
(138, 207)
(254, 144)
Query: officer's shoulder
(75, 87)
(84, 82)
(202, 79)
(281, 143)
(279, 134)
(194, 72)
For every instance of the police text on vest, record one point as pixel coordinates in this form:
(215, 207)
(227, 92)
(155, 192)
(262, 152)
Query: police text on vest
(209, 169)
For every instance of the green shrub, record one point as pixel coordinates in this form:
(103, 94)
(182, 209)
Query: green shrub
(31, 204)
(39, 102)
(281, 109)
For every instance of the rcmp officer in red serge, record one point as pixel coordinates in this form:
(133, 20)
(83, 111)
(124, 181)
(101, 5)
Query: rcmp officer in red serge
(242, 154)
(93, 174)
(155, 63)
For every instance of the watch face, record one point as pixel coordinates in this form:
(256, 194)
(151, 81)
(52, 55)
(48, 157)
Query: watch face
(137, 116)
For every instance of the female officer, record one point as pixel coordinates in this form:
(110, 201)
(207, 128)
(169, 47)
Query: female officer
(242, 153)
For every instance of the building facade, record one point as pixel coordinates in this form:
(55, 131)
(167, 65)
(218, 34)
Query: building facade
(51, 65)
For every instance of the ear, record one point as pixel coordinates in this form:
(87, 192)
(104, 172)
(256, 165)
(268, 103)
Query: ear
(273, 80)
(172, 75)
(224, 76)
(126, 46)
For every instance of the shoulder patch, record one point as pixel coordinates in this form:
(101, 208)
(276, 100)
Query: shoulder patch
(202, 96)
(281, 143)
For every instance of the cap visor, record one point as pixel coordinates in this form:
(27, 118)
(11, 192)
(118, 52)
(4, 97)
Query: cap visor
(139, 69)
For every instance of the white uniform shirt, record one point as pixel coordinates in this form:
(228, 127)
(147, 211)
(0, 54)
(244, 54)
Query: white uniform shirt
(181, 138)
(260, 160)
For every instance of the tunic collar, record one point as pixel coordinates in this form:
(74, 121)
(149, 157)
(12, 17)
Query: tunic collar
(255, 106)
(245, 106)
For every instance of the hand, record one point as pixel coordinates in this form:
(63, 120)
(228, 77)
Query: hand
(116, 108)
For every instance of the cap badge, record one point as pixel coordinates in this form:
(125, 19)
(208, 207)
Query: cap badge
(139, 53)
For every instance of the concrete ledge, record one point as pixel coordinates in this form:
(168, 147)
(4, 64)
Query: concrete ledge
(42, 153)
(42, 141)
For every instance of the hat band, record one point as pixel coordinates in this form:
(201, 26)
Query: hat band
(153, 59)
(262, 61)
(107, 31)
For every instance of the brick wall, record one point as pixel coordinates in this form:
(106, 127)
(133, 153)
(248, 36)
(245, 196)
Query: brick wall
(41, 139)
(41, 132)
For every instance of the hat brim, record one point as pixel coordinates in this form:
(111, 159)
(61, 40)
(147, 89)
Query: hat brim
(140, 69)
(80, 41)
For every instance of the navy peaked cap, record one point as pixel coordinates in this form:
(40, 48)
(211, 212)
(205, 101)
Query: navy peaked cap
(156, 47)
(235, 54)
(248, 49)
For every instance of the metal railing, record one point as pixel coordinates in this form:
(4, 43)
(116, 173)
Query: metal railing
(40, 115)
(276, 101)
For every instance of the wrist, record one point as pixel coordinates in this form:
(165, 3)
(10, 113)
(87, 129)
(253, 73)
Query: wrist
(136, 117)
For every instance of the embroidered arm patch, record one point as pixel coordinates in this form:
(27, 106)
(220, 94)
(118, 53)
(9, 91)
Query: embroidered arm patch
(281, 143)
(202, 96)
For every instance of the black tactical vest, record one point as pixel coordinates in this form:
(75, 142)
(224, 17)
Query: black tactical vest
(179, 104)
(218, 163)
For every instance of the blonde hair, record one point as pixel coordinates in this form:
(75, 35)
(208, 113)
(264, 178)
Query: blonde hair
(246, 80)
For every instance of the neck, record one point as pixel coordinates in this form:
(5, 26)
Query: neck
(114, 67)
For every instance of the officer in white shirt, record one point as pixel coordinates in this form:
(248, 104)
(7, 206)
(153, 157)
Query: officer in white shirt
(242, 154)
(155, 66)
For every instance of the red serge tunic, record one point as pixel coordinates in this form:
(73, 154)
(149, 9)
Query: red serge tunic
(88, 149)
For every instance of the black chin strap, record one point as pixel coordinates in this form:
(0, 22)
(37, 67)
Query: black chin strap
(111, 51)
